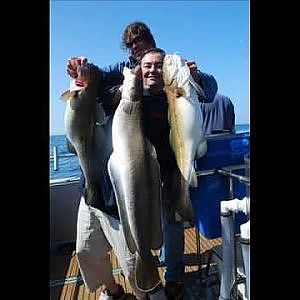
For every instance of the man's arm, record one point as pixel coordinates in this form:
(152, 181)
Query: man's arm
(206, 81)
(209, 85)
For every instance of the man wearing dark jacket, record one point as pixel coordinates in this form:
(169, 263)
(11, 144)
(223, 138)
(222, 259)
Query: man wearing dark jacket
(217, 111)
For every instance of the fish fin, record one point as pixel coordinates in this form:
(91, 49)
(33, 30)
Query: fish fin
(193, 179)
(201, 149)
(67, 95)
(101, 117)
(186, 211)
(157, 235)
(117, 184)
(178, 218)
(70, 146)
(151, 149)
(171, 141)
(147, 276)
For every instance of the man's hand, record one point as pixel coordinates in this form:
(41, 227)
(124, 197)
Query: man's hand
(74, 64)
(194, 70)
(77, 68)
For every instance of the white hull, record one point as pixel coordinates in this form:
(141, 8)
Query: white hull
(64, 201)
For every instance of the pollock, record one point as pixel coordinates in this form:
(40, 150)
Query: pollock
(135, 176)
(84, 122)
(186, 127)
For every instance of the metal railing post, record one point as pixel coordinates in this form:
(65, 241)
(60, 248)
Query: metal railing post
(55, 158)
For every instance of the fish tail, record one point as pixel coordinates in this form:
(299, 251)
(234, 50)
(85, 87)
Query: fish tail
(185, 210)
(147, 276)
(193, 179)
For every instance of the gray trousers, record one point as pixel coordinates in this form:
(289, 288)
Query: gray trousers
(97, 234)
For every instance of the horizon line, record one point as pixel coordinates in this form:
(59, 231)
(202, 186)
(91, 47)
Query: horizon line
(65, 134)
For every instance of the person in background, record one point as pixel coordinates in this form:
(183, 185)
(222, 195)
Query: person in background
(137, 38)
(218, 114)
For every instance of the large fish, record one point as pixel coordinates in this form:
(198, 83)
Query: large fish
(186, 127)
(135, 176)
(84, 118)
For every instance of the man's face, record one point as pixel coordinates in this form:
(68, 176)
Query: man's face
(138, 46)
(151, 66)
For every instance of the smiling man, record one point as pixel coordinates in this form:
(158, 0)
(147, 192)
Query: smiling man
(157, 128)
(151, 66)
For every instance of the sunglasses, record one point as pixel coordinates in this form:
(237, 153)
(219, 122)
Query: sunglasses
(135, 40)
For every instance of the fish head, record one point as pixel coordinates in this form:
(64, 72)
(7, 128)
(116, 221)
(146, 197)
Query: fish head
(176, 72)
(132, 84)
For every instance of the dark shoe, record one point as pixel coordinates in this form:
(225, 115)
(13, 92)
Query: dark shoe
(174, 290)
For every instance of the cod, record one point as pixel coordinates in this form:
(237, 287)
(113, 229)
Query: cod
(187, 138)
(84, 122)
(135, 176)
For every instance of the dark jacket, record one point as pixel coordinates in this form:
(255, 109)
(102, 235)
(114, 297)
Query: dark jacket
(218, 115)
(217, 110)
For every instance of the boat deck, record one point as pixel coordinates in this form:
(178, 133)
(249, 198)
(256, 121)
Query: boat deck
(66, 282)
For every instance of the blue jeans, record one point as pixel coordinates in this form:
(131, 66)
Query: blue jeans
(171, 253)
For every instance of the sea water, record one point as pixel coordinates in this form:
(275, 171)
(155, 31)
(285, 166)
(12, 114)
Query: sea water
(68, 164)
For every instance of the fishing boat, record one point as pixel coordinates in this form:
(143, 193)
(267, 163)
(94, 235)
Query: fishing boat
(216, 245)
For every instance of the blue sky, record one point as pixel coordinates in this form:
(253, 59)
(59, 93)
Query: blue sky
(213, 33)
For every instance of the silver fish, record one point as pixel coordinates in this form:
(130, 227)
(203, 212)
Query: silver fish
(83, 121)
(135, 176)
(186, 127)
